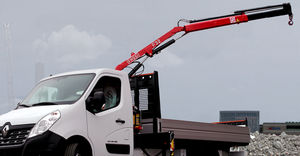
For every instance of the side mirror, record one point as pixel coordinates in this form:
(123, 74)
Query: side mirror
(94, 103)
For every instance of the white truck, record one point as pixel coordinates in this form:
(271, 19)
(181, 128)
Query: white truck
(104, 112)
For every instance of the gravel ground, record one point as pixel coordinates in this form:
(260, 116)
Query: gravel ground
(271, 144)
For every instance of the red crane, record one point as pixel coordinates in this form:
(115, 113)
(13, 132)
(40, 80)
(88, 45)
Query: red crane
(240, 16)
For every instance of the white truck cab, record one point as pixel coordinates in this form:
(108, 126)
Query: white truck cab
(76, 113)
(103, 112)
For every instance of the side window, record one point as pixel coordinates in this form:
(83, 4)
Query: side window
(111, 89)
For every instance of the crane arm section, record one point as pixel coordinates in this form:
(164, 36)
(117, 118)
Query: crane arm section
(240, 16)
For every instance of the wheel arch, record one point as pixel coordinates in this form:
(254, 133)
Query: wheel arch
(82, 141)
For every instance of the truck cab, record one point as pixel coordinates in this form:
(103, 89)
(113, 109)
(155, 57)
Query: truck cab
(104, 112)
(76, 113)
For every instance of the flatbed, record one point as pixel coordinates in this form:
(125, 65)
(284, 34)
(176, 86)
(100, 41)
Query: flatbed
(188, 130)
(194, 137)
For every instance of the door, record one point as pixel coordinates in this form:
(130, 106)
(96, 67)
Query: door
(110, 118)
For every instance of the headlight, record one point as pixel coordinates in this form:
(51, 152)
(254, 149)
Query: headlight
(44, 124)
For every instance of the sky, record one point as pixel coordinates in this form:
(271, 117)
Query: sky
(250, 66)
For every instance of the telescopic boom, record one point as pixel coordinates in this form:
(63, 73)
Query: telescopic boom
(239, 16)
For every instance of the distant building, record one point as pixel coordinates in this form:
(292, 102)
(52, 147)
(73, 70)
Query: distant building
(292, 128)
(251, 116)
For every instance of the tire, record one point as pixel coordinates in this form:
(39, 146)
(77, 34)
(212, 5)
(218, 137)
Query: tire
(73, 149)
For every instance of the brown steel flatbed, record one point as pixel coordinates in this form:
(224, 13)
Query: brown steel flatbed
(194, 137)
(188, 130)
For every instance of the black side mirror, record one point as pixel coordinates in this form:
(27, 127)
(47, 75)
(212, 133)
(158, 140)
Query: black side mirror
(94, 103)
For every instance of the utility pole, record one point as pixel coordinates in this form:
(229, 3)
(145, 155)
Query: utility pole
(9, 73)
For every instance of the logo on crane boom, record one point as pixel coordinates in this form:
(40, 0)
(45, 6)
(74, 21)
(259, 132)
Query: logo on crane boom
(232, 20)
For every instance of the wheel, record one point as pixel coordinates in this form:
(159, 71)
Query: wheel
(73, 149)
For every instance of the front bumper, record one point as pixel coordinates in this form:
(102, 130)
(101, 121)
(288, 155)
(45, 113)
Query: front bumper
(45, 144)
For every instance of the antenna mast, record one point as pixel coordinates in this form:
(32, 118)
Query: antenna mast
(8, 47)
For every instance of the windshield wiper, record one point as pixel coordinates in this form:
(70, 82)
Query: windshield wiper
(44, 104)
(23, 105)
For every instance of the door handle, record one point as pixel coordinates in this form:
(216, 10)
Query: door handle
(120, 121)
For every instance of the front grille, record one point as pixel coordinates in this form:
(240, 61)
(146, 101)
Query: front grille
(16, 135)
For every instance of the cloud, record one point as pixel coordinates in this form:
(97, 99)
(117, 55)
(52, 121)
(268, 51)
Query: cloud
(165, 59)
(72, 46)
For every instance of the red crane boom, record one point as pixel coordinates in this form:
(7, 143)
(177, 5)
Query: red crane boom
(240, 16)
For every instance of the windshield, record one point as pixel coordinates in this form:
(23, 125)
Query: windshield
(59, 90)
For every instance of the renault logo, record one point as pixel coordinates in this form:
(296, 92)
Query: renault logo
(5, 131)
